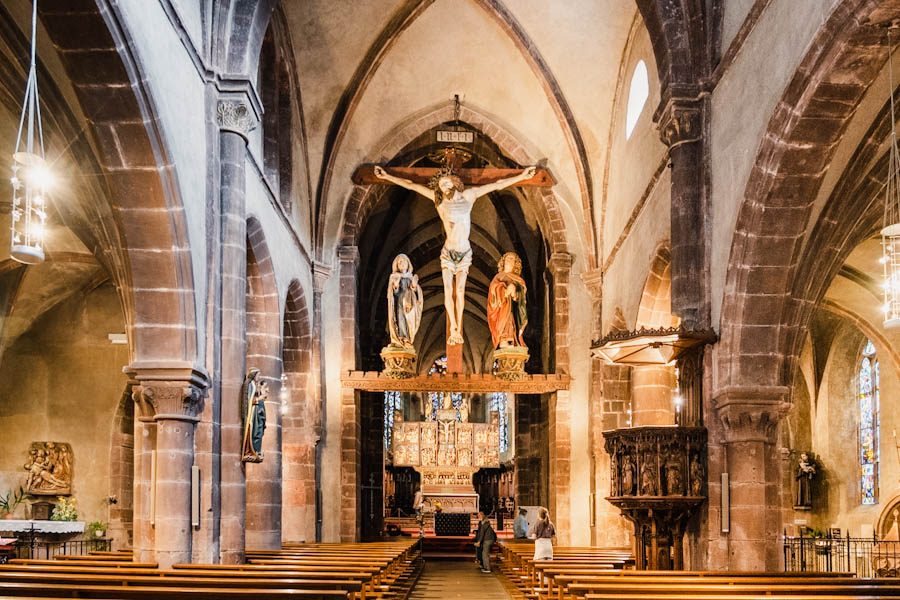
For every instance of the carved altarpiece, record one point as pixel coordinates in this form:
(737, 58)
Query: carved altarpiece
(50, 467)
(446, 453)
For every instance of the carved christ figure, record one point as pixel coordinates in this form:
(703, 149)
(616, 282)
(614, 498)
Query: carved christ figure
(454, 206)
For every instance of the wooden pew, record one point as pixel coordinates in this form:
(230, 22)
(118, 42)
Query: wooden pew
(352, 571)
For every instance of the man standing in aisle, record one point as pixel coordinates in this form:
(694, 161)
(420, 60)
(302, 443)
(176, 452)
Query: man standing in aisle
(484, 540)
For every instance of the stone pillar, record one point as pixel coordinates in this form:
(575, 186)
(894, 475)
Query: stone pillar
(651, 395)
(168, 401)
(321, 274)
(560, 415)
(750, 417)
(351, 458)
(681, 129)
(610, 398)
(144, 446)
(235, 121)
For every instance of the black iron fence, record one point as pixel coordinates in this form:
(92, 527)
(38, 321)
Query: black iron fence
(865, 557)
(41, 549)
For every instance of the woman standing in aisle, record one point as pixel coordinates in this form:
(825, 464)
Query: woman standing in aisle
(544, 536)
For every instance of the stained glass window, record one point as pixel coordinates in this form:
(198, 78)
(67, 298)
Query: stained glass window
(500, 402)
(439, 367)
(868, 382)
(392, 401)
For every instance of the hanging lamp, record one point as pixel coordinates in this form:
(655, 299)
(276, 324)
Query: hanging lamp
(30, 175)
(890, 232)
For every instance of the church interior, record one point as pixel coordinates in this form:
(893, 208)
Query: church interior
(336, 298)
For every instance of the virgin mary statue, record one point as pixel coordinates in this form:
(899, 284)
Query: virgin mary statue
(404, 297)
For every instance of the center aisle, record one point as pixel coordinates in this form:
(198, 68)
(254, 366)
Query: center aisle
(457, 579)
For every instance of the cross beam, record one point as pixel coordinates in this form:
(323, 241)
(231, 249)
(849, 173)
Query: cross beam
(365, 175)
(375, 381)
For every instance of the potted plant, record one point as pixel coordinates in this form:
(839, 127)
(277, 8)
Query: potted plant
(65, 510)
(10, 501)
(95, 531)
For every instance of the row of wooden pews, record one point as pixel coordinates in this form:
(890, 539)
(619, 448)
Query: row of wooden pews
(385, 571)
(597, 574)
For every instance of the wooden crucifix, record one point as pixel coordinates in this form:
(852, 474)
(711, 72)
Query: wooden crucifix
(454, 191)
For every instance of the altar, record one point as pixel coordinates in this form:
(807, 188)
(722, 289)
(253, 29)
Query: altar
(446, 451)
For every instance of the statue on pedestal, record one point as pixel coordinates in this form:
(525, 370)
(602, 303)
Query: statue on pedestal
(254, 394)
(404, 296)
(454, 207)
(404, 303)
(506, 312)
(507, 317)
(806, 471)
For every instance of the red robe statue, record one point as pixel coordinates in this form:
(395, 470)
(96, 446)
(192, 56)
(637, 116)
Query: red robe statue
(506, 312)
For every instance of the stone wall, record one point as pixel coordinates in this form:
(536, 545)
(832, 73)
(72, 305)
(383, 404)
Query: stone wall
(532, 450)
(63, 382)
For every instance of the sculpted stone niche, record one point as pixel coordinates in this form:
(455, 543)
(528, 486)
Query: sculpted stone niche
(50, 467)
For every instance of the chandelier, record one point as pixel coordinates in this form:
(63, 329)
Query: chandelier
(890, 232)
(30, 176)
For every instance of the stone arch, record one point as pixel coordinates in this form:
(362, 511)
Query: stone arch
(263, 516)
(887, 526)
(156, 279)
(495, 9)
(655, 309)
(278, 85)
(802, 136)
(301, 421)
(238, 29)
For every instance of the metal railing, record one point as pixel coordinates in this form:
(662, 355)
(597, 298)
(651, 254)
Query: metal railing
(42, 550)
(865, 557)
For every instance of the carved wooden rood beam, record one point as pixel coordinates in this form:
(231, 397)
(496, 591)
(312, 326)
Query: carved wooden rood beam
(365, 175)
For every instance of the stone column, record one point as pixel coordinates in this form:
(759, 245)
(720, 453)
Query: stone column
(681, 129)
(610, 399)
(750, 417)
(235, 120)
(560, 415)
(351, 457)
(651, 395)
(144, 446)
(321, 274)
(168, 401)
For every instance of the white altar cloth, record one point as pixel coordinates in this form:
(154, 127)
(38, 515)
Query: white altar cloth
(23, 526)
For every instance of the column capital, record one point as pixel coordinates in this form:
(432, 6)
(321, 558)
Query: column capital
(321, 274)
(168, 390)
(348, 254)
(593, 281)
(751, 413)
(680, 121)
(559, 263)
(235, 116)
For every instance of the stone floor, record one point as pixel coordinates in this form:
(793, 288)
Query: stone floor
(457, 579)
